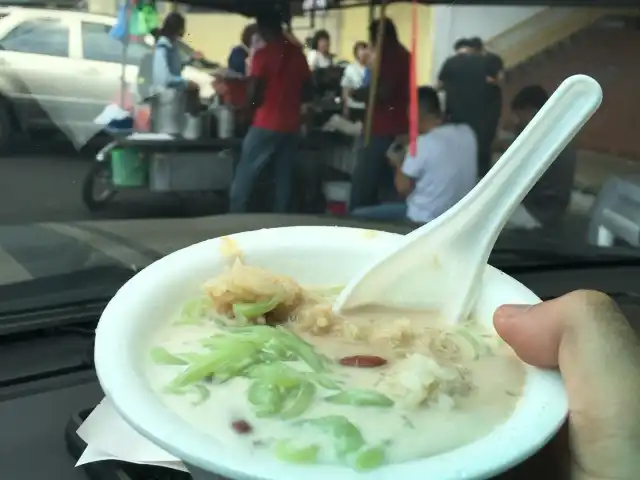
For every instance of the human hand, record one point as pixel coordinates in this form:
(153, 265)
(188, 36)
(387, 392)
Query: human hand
(585, 335)
(395, 159)
(397, 151)
(197, 56)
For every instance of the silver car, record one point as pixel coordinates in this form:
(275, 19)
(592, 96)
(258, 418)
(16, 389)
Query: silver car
(59, 69)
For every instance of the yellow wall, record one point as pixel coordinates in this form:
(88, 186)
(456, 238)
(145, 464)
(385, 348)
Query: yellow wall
(354, 23)
(216, 34)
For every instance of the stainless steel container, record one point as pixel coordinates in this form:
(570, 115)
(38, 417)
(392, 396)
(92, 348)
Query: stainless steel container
(168, 112)
(192, 127)
(190, 172)
(226, 121)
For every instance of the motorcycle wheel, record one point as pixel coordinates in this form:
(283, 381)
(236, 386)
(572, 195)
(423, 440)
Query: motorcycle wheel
(97, 188)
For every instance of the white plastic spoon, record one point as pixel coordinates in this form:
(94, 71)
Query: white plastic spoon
(440, 265)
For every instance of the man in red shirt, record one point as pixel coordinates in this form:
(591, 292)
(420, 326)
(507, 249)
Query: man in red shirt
(373, 175)
(279, 83)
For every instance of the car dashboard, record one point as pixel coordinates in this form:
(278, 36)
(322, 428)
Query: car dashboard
(47, 379)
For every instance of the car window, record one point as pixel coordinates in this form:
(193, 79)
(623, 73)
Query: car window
(99, 46)
(46, 36)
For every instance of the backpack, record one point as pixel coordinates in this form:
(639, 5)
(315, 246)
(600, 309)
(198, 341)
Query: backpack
(145, 74)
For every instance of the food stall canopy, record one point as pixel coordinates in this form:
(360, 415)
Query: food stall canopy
(252, 7)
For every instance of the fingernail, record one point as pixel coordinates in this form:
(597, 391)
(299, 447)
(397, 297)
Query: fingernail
(512, 310)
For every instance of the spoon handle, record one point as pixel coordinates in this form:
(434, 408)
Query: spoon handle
(440, 265)
(490, 204)
(476, 221)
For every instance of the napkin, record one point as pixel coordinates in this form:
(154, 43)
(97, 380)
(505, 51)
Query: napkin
(110, 114)
(109, 437)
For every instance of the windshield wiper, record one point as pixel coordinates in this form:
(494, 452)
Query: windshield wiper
(80, 286)
(100, 283)
(540, 258)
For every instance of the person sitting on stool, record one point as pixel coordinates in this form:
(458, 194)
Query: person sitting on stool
(549, 199)
(443, 170)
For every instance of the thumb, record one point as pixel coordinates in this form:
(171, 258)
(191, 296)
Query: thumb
(532, 333)
(598, 354)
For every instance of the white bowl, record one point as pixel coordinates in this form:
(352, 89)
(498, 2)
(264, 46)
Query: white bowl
(317, 256)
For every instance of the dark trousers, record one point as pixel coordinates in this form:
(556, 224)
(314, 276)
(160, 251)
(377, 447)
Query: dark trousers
(372, 179)
(357, 114)
(493, 122)
(383, 212)
(485, 142)
(259, 148)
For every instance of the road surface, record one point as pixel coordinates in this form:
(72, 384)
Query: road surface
(43, 183)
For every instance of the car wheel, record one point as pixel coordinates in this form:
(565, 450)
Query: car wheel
(97, 188)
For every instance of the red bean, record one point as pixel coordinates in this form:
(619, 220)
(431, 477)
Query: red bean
(241, 426)
(363, 361)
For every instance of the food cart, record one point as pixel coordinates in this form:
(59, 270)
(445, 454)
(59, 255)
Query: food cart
(205, 163)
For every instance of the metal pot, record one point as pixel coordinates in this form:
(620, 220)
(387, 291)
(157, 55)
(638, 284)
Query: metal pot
(192, 127)
(226, 121)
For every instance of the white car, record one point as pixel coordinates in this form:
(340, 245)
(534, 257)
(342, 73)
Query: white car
(59, 69)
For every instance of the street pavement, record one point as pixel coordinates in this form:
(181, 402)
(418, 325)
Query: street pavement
(42, 185)
(42, 182)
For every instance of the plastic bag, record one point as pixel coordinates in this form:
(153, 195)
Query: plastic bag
(142, 19)
(136, 26)
(142, 118)
(119, 30)
(112, 113)
(148, 19)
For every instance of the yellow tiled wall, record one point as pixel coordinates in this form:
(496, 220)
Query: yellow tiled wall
(215, 34)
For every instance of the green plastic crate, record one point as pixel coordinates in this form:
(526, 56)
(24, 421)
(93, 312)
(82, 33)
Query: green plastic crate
(128, 168)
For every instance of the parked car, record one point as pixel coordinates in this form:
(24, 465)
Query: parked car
(59, 69)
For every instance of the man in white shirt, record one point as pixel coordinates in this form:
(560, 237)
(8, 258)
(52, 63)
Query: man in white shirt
(443, 170)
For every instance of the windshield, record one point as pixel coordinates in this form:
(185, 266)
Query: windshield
(113, 158)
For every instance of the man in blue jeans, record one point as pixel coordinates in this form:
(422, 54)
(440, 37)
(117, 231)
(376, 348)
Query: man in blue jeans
(279, 83)
(443, 170)
(372, 174)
